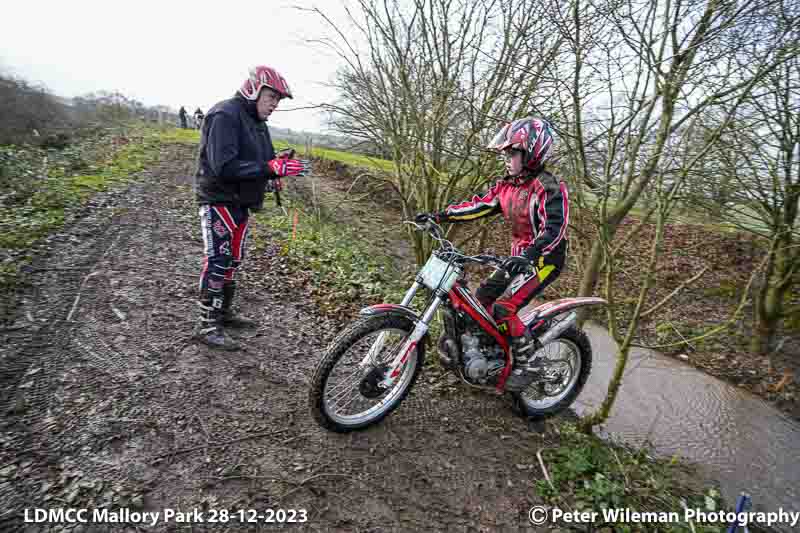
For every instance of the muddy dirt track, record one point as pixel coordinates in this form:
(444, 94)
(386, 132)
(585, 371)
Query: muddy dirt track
(108, 403)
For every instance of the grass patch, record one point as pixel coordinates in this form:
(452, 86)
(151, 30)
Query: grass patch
(726, 289)
(52, 185)
(589, 474)
(355, 160)
(180, 136)
(337, 258)
(187, 136)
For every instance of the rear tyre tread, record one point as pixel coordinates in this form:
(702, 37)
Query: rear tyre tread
(581, 340)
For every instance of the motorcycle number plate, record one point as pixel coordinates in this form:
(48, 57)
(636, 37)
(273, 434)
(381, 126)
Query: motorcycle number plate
(438, 274)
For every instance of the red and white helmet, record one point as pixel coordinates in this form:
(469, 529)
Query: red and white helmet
(533, 136)
(261, 77)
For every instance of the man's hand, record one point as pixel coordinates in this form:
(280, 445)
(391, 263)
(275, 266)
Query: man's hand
(289, 167)
(517, 265)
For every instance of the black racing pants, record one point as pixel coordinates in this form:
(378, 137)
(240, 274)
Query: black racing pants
(522, 289)
(224, 238)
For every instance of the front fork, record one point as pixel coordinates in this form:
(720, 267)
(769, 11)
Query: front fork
(420, 329)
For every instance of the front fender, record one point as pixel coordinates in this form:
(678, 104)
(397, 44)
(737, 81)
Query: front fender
(390, 309)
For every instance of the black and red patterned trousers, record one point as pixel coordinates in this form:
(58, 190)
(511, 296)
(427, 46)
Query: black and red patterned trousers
(224, 239)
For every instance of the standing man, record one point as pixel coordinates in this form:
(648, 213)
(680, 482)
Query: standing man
(182, 116)
(237, 165)
(198, 118)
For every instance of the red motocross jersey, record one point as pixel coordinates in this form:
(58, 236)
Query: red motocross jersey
(537, 207)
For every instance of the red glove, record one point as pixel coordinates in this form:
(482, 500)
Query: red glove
(289, 167)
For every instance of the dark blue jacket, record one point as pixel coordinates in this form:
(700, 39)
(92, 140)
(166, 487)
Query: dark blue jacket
(234, 149)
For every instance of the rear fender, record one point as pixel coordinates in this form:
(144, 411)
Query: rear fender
(550, 309)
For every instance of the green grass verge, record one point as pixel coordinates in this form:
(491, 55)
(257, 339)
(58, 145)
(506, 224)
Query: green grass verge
(177, 135)
(354, 160)
(340, 260)
(55, 187)
(180, 136)
(589, 474)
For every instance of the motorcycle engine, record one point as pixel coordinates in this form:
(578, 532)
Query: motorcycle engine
(481, 363)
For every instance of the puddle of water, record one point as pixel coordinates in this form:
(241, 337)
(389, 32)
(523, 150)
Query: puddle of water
(740, 440)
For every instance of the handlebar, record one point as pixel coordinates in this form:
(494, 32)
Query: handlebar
(435, 230)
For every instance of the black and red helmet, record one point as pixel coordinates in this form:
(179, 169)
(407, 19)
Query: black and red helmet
(261, 77)
(533, 136)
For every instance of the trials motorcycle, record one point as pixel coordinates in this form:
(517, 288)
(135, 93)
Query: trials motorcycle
(370, 367)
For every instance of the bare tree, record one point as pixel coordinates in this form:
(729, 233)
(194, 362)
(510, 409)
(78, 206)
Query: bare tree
(437, 78)
(661, 66)
(647, 72)
(760, 159)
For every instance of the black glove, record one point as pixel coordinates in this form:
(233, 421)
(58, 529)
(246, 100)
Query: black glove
(517, 265)
(422, 218)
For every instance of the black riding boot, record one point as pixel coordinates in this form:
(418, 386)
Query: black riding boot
(230, 319)
(211, 330)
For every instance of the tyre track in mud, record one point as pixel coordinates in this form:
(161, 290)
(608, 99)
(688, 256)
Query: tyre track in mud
(118, 407)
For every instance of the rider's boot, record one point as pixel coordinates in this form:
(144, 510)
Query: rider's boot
(211, 330)
(523, 346)
(230, 319)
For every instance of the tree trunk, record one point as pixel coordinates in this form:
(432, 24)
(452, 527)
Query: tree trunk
(769, 308)
(591, 274)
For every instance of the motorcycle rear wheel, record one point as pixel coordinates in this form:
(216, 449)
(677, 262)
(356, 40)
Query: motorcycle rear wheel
(354, 341)
(534, 401)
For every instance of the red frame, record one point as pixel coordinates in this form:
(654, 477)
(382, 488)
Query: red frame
(459, 303)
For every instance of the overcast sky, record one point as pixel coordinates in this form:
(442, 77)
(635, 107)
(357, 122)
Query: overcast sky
(172, 52)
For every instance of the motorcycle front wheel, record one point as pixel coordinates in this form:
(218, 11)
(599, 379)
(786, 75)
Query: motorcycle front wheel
(344, 394)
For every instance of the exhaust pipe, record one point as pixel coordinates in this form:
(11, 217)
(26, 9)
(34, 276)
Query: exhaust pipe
(448, 352)
(551, 334)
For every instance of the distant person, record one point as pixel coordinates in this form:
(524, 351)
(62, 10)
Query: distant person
(237, 165)
(182, 115)
(198, 118)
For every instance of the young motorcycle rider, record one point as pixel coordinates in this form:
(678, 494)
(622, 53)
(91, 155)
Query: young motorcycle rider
(537, 205)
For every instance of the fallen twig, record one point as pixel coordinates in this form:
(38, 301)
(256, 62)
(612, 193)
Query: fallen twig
(682, 337)
(544, 469)
(78, 297)
(691, 524)
(621, 468)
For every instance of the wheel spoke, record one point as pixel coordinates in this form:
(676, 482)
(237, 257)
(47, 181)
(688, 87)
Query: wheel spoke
(347, 385)
(344, 399)
(347, 381)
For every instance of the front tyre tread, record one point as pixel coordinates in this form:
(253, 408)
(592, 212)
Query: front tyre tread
(355, 331)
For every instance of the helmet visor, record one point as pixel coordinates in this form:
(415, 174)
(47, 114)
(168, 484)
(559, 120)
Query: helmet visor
(500, 141)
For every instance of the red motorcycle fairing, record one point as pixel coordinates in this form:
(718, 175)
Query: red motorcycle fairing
(386, 309)
(462, 299)
(556, 307)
